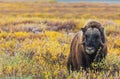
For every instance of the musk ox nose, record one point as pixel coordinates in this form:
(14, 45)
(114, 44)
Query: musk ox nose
(89, 48)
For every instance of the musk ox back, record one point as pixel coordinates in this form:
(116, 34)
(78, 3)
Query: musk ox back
(88, 45)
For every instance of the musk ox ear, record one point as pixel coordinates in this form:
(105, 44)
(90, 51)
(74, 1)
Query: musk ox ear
(83, 30)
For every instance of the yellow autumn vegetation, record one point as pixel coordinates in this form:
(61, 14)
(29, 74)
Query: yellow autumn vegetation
(29, 54)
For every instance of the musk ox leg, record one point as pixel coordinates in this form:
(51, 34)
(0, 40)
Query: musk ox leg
(88, 62)
(72, 64)
(69, 64)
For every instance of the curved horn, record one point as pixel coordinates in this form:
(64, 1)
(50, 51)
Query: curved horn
(82, 42)
(102, 44)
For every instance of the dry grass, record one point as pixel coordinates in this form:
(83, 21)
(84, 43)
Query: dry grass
(61, 10)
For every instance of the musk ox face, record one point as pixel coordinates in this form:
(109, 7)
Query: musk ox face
(92, 40)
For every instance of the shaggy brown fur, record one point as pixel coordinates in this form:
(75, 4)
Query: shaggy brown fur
(77, 56)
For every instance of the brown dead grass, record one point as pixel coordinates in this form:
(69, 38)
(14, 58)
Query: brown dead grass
(61, 10)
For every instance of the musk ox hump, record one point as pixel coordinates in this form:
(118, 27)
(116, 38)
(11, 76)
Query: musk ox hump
(93, 23)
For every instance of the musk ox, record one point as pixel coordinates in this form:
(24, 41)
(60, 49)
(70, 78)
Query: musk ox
(87, 46)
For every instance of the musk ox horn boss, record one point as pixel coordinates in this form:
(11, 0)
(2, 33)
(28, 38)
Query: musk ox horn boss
(87, 46)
